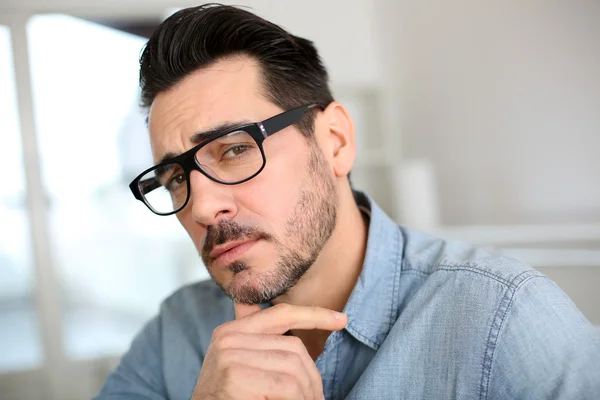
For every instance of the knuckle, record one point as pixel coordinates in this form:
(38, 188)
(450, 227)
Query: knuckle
(280, 355)
(221, 329)
(217, 332)
(294, 358)
(296, 343)
(224, 341)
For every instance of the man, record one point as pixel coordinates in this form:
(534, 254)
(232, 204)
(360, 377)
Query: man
(315, 292)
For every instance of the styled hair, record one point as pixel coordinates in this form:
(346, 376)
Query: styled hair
(291, 71)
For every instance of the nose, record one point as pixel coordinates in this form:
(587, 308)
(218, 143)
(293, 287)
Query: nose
(211, 201)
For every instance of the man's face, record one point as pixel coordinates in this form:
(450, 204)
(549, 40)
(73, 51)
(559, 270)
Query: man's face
(259, 237)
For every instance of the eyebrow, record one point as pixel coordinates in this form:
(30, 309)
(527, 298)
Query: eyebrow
(162, 170)
(205, 135)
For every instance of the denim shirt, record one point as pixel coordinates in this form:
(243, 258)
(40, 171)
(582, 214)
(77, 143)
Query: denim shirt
(428, 319)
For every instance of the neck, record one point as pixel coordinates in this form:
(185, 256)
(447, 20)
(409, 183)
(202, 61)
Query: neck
(340, 261)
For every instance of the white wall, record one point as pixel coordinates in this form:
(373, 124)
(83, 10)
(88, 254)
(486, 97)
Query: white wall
(345, 36)
(504, 98)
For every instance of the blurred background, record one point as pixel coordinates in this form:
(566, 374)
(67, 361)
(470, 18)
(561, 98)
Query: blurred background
(476, 120)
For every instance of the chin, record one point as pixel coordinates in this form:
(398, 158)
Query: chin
(244, 279)
(250, 287)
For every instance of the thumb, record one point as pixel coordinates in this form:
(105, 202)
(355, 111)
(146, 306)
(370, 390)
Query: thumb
(243, 310)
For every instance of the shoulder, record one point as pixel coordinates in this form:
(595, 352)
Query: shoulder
(541, 346)
(430, 256)
(459, 283)
(529, 337)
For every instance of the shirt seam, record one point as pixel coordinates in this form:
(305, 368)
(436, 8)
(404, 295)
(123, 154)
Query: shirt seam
(334, 382)
(497, 324)
(416, 272)
(461, 267)
(394, 311)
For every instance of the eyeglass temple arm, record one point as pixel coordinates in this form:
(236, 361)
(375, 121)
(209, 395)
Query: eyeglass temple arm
(278, 122)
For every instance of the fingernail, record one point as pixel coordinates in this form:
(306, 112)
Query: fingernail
(339, 315)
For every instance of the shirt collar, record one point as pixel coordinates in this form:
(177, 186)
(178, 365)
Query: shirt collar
(373, 304)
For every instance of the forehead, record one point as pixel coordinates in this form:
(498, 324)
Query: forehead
(227, 91)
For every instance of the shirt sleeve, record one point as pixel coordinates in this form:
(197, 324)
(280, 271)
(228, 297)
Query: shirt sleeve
(545, 348)
(138, 375)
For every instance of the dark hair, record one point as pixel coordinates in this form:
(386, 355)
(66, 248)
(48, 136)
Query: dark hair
(292, 72)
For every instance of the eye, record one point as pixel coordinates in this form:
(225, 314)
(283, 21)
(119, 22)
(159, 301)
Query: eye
(236, 151)
(175, 182)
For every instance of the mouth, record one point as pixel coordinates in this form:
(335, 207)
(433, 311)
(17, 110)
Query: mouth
(229, 252)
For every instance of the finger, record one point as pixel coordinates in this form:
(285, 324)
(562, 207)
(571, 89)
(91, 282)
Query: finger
(243, 310)
(244, 383)
(271, 361)
(251, 341)
(283, 317)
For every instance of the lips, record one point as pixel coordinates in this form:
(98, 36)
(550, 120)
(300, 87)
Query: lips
(229, 251)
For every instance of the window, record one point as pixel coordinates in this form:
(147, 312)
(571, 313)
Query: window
(115, 259)
(20, 346)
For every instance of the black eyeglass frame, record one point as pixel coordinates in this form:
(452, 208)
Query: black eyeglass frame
(259, 132)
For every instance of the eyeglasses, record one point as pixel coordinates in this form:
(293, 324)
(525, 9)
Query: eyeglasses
(230, 157)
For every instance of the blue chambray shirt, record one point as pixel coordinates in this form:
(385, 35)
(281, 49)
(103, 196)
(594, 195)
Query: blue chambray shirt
(428, 319)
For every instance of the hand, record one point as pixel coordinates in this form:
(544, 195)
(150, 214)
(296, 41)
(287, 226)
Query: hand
(249, 358)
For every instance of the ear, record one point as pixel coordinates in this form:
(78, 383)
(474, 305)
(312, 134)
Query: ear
(337, 138)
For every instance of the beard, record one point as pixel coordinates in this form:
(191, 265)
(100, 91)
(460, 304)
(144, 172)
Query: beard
(308, 228)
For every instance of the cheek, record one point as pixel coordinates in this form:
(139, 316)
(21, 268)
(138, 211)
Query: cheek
(273, 194)
(194, 230)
